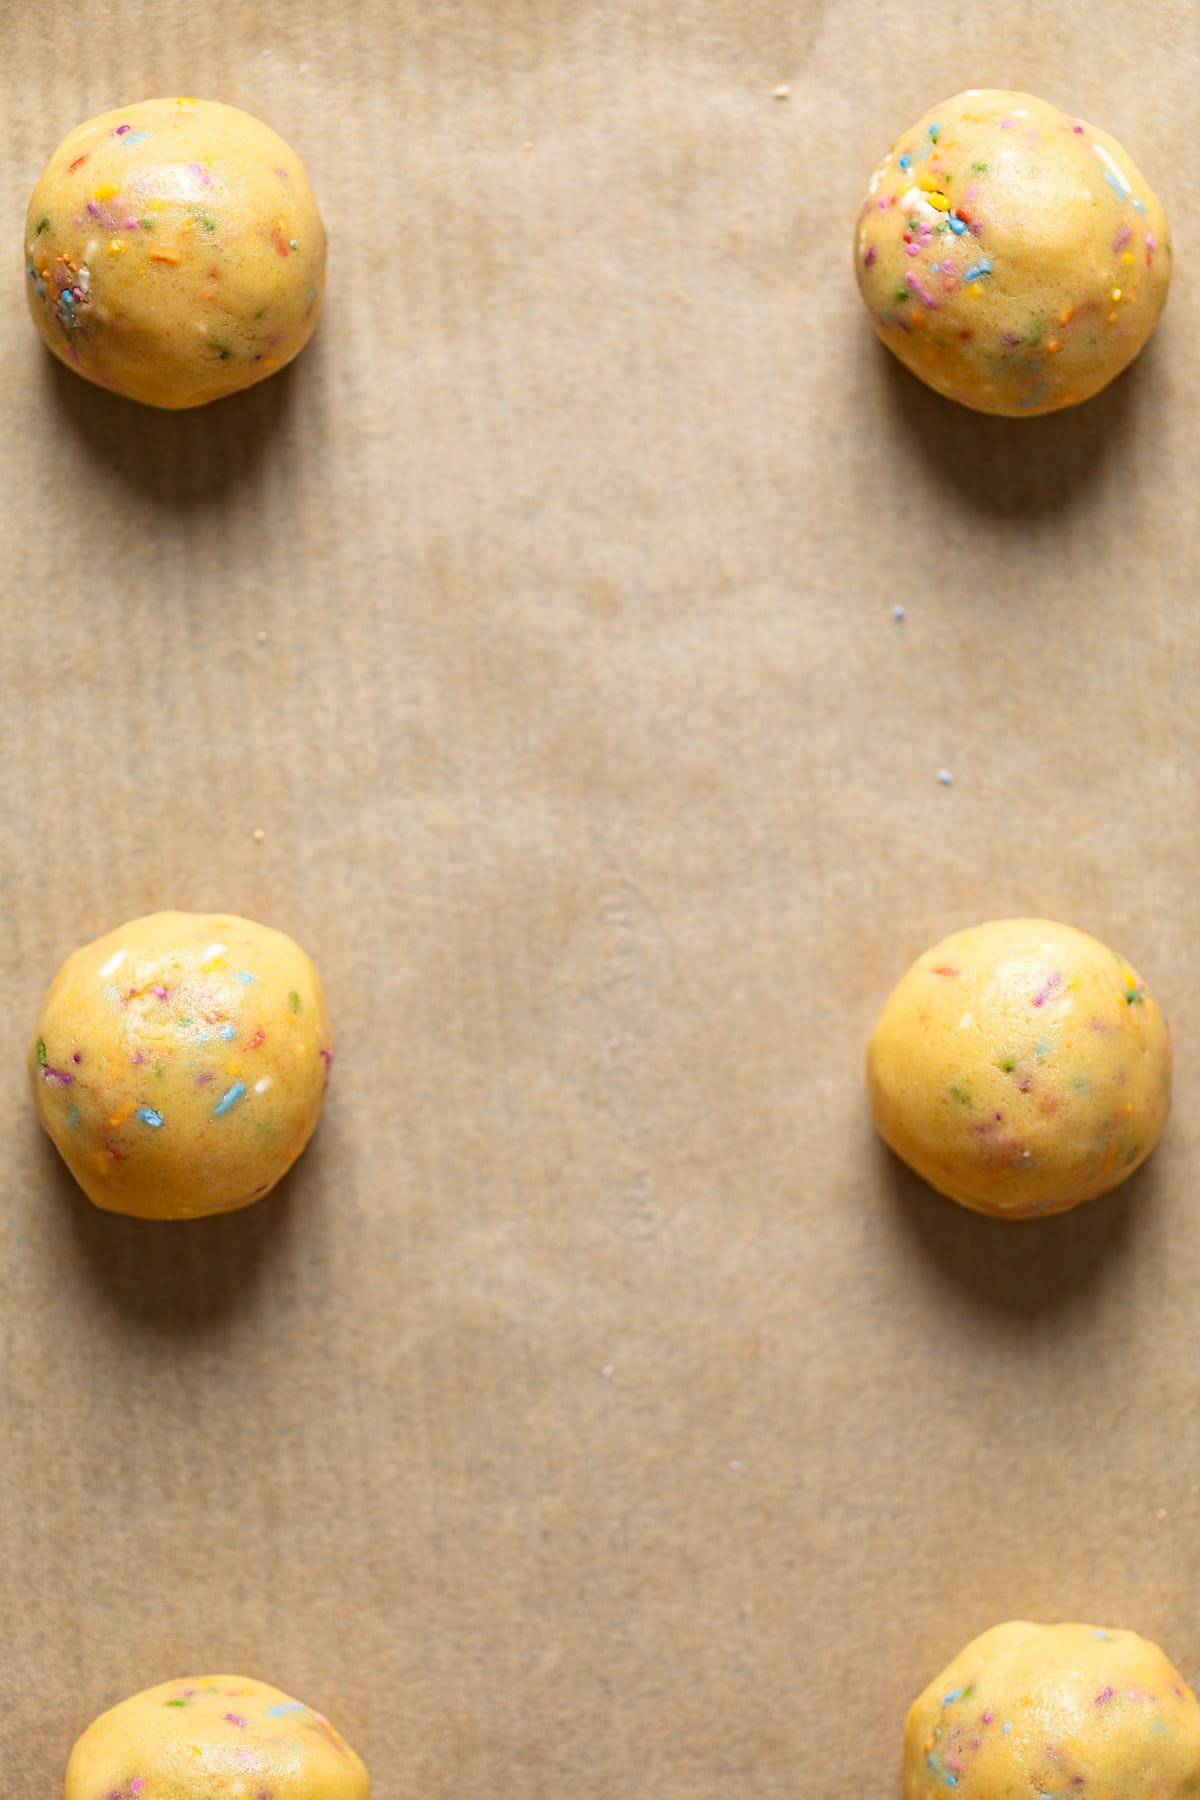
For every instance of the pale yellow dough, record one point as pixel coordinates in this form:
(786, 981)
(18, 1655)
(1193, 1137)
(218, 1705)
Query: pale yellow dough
(1054, 1710)
(213, 1737)
(179, 1063)
(174, 252)
(1021, 1067)
(1011, 255)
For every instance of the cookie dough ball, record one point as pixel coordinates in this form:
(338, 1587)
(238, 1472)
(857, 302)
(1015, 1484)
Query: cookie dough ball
(1011, 255)
(174, 252)
(180, 1063)
(210, 1736)
(1020, 1068)
(1054, 1710)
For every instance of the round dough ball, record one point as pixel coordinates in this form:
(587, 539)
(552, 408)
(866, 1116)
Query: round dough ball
(1010, 255)
(180, 1063)
(174, 252)
(1020, 1067)
(213, 1735)
(1054, 1709)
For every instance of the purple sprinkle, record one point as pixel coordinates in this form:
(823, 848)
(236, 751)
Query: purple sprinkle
(120, 130)
(1123, 238)
(1010, 337)
(93, 209)
(234, 1720)
(1104, 1695)
(50, 1074)
(78, 1056)
(1052, 985)
(202, 1080)
(870, 256)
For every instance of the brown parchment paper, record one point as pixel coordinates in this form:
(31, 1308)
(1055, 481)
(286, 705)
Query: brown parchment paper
(597, 1410)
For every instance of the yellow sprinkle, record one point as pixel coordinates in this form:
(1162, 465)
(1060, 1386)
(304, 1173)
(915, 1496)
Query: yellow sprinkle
(975, 289)
(232, 1068)
(940, 201)
(1127, 259)
(108, 191)
(185, 100)
(1116, 293)
(218, 962)
(102, 1162)
(115, 247)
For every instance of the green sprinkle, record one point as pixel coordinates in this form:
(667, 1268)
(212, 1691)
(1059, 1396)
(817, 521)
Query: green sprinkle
(1083, 1084)
(183, 1022)
(148, 225)
(1008, 1064)
(261, 313)
(962, 1096)
(43, 225)
(979, 168)
(1036, 335)
(969, 1693)
(208, 224)
(160, 1068)
(1132, 997)
(1133, 1155)
(174, 1702)
(222, 350)
(41, 1053)
(900, 294)
(294, 1001)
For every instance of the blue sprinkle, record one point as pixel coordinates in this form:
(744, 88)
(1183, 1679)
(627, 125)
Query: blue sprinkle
(68, 298)
(276, 1712)
(906, 162)
(956, 226)
(950, 1780)
(244, 975)
(134, 137)
(148, 1116)
(952, 1695)
(1007, 1729)
(73, 1119)
(1114, 184)
(40, 287)
(982, 267)
(934, 129)
(229, 1098)
(1104, 1636)
(1138, 207)
(229, 1031)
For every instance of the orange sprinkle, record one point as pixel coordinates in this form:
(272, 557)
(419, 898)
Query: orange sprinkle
(1066, 315)
(1110, 1159)
(1112, 318)
(76, 163)
(120, 1116)
(163, 256)
(102, 1162)
(1052, 344)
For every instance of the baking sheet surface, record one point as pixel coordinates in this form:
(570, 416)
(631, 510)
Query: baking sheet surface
(597, 1409)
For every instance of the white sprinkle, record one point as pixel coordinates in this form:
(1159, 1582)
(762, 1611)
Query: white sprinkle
(945, 777)
(1104, 156)
(260, 1087)
(898, 612)
(114, 962)
(213, 950)
(914, 201)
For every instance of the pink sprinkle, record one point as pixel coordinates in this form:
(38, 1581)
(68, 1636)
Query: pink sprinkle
(1051, 986)
(975, 1743)
(120, 130)
(78, 1056)
(139, 1058)
(870, 256)
(913, 249)
(131, 224)
(327, 1055)
(203, 1080)
(135, 1786)
(952, 1762)
(1123, 238)
(1007, 124)
(234, 1720)
(989, 1715)
(924, 292)
(200, 173)
(160, 993)
(1104, 1695)
(1078, 130)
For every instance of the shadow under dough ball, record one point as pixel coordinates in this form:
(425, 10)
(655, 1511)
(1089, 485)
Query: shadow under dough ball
(1021, 1067)
(1054, 1709)
(1012, 256)
(210, 1735)
(180, 1063)
(174, 252)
